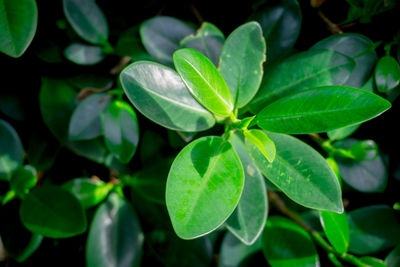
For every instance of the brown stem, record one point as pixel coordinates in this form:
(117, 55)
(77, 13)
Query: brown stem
(85, 92)
(333, 28)
(120, 65)
(196, 13)
(316, 137)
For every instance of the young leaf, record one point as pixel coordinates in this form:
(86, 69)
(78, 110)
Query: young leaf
(258, 140)
(301, 72)
(208, 41)
(89, 192)
(393, 259)
(161, 37)
(321, 109)
(83, 54)
(241, 64)
(387, 74)
(159, 93)
(286, 244)
(23, 180)
(367, 235)
(204, 186)
(115, 236)
(336, 228)
(12, 153)
(18, 21)
(248, 219)
(52, 212)
(87, 19)
(364, 150)
(301, 173)
(121, 130)
(85, 122)
(204, 81)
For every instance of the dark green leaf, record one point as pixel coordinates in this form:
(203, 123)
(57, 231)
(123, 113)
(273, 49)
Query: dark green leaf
(208, 41)
(393, 259)
(387, 74)
(121, 130)
(301, 173)
(18, 21)
(23, 180)
(258, 140)
(129, 44)
(286, 244)
(204, 81)
(159, 93)
(13, 107)
(248, 219)
(321, 109)
(161, 37)
(204, 186)
(83, 54)
(53, 212)
(115, 237)
(241, 63)
(87, 19)
(303, 71)
(336, 228)
(373, 229)
(12, 153)
(372, 262)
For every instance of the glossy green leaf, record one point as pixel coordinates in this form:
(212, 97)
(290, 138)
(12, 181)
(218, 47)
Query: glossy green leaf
(18, 21)
(53, 212)
(57, 103)
(115, 236)
(204, 81)
(12, 153)
(287, 244)
(248, 219)
(83, 54)
(85, 121)
(208, 41)
(301, 173)
(300, 72)
(159, 93)
(258, 140)
(387, 74)
(336, 228)
(121, 130)
(393, 259)
(161, 37)
(234, 252)
(23, 180)
(280, 22)
(89, 192)
(241, 63)
(87, 19)
(373, 229)
(356, 46)
(372, 262)
(204, 186)
(321, 109)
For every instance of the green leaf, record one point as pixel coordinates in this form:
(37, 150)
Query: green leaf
(336, 228)
(208, 41)
(85, 121)
(356, 46)
(301, 173)
(115, 236)
(241, 64)
(12, 153)
(83, 54)
(321, 109)
(373, 229)
(159, 93)
(248, 219)
(372, 262)
(342, 133)
(287, 244)
(393, 259)
(204, 81)
(53, 212)
(364, 150)
(89, 192)
(18, 21)
(280, 22)
(121, 130)
(258, 140)
(12, 106)
(234, 252)
(161, 37)
(87, 19)
(204, 186)
(387, 74)
(129, 44)
(300, 72)
(23, 180)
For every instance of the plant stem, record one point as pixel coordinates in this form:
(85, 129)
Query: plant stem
(333, 28)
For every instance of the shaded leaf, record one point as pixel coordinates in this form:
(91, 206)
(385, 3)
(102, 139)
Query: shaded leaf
(387, 74)
(83, 54)
(23, 180)
(12, 153)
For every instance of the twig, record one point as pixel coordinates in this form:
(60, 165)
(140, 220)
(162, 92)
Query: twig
(196, 13)
(85, 92)
(316, 137)
(333, 28)
(121, 64)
